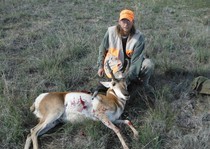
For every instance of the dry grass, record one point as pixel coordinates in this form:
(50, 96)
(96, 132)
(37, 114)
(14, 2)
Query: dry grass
(53, 46)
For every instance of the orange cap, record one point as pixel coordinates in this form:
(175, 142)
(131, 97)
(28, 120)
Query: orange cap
(127, 14)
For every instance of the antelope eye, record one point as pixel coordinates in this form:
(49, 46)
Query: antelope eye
(113, 84)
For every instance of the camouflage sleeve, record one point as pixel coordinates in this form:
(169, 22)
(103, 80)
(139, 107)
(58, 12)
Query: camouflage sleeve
(103, 50)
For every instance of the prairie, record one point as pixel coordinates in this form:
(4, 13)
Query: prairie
(48, 45)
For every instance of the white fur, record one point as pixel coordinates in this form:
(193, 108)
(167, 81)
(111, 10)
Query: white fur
(74, 110)
(37, 102)
(79, 106)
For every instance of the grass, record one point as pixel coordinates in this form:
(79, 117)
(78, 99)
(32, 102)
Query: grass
(53, 46)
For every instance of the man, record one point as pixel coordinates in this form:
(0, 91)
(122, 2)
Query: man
(123, 47)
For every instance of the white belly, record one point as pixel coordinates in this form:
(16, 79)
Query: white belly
(78, 106)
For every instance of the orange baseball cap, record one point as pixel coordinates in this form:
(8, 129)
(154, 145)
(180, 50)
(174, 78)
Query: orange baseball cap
(127, 14)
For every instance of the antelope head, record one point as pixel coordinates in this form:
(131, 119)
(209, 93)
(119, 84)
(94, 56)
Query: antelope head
(119, 86)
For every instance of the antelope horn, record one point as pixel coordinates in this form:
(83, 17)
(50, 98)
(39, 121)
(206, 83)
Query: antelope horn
(128, 65)
(126, 69)
(110, 70)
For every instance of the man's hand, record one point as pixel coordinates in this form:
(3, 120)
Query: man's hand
(101, 72)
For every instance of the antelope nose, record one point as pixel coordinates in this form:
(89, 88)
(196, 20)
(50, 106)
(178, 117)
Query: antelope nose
(126, 94)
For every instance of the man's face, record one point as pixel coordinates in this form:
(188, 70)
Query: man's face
(126, 25)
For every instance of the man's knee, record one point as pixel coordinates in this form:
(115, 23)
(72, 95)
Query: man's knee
(148, 64)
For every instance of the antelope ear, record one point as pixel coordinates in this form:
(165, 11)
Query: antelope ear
(106, 84)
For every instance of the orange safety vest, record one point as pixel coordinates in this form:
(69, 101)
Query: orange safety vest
(115, 54)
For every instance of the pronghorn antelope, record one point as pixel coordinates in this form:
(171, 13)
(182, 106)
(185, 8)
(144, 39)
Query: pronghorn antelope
(55, 107)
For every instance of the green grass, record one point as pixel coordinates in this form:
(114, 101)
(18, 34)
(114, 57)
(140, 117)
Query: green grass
(53, 46)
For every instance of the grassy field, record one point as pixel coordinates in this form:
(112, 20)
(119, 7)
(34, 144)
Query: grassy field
(48, 45)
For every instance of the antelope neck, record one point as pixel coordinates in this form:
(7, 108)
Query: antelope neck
(114, 94)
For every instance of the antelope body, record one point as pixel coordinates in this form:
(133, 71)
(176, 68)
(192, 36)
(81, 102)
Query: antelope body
(55, 107)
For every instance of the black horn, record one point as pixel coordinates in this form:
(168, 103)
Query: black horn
(110, 70)
(126, 71)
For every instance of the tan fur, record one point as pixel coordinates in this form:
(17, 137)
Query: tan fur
(109, 101)
(49, 107)
(53, 102)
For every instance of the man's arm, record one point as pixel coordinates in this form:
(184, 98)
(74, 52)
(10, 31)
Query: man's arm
(103, 50)
(136, 60)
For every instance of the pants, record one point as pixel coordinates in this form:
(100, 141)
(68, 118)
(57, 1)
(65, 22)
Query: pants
(147, 70)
